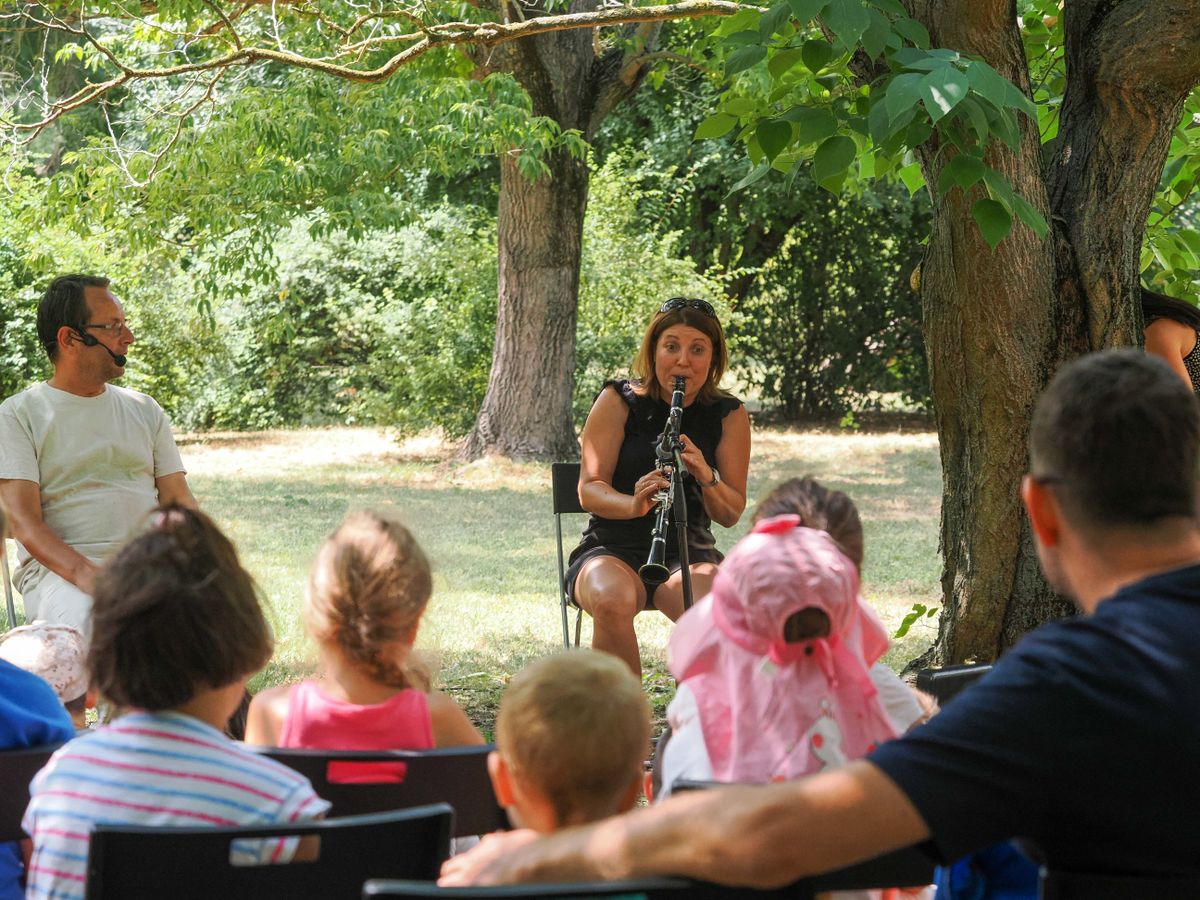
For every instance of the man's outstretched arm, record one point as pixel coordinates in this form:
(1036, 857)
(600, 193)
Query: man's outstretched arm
(23, 502)
(761, 836)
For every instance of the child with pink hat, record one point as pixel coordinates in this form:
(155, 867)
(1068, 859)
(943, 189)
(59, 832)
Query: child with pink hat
(776, 661)
(56, 654)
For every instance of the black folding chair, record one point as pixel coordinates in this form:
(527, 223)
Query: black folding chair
(8, 590)
(946, 683)
(1058, 885)
(17, 768)
(193, 863)
(564, 481)
(454, 775)
(906, 867)
(640, 889)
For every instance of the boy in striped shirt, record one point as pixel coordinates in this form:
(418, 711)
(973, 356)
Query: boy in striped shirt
(177, 631)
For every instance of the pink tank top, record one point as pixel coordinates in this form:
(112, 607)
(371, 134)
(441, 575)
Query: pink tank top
(317, 721)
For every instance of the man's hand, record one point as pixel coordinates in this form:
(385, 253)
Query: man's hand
(486, 862)
(83, 576)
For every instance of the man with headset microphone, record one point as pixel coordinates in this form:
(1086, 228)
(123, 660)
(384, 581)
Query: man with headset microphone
(81, 461)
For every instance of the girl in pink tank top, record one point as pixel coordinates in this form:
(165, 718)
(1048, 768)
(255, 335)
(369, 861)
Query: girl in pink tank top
(368, 587)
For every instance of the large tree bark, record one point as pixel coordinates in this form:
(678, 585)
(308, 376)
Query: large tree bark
(998, 324)
(526, 412)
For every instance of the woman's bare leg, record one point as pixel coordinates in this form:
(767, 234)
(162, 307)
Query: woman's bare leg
(668, 598)
(612, 594)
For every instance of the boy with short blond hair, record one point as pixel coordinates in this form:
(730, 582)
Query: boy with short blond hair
(571, 739)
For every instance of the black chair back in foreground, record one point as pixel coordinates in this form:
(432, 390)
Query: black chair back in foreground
(907, 867)
(944, 683)
(640, 889)
(454, 775)
(193, 863)
(17, 768)
(564, 488)
(1057, 885)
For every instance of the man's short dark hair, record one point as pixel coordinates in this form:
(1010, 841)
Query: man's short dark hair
(175, 614)
(63, 304)
(1117, 435)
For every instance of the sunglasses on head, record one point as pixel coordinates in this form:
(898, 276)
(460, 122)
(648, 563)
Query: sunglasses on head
(686, 303)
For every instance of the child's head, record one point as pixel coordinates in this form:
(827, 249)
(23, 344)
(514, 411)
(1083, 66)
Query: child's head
(571, 738)
(174, 616)
(369, 586)
(820, 508)
(57, 655)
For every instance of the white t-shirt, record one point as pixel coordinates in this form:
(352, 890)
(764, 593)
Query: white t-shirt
(95, 460)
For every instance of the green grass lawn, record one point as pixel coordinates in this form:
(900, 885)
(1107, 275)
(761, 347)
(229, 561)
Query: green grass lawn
(488, 529)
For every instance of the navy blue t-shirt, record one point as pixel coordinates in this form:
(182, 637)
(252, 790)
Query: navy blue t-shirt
(1084, 739)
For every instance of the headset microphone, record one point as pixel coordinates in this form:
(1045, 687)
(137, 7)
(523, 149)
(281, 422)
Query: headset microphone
(91, 341)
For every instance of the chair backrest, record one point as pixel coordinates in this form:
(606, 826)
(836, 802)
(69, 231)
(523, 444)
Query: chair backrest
(945, 683)
(564, 484)
(454, 775)
(193, 863)
(17, 768)
(640, 889)
(1058, 885)
(907, 867)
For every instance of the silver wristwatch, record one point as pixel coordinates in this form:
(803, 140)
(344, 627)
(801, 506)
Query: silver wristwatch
(715, 480)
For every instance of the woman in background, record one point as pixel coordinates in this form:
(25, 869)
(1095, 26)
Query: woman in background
(1172, 328)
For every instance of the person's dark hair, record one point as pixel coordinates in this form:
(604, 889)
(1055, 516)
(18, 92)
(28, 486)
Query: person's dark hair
(174, 613)
(818, 507)
(1117, 436)
(63, 304)
(1160, 306)
(709, 325)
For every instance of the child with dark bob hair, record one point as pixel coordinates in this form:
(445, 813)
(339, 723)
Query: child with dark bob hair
(176, 632)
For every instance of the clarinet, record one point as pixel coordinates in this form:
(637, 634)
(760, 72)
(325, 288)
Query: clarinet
(654, 570)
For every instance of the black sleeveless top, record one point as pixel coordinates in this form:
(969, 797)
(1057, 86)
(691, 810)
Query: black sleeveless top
(647, 416)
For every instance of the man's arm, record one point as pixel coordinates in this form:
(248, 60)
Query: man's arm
(761, 837)
(23, 502)
(173, 489)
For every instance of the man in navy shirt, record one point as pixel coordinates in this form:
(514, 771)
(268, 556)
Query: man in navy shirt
(1084, 739)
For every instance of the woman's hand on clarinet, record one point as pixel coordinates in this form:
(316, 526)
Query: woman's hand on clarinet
(694, 459)
(645, 489)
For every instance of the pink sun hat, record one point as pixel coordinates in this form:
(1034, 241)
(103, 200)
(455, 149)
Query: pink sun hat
(55, 653)
(771, 709)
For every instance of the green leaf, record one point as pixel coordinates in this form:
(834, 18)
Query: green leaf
(747, 38)
(832, 159)
(993, 220)
(878, 121)
(912, 177)
(913, 31)
(781, 63)
(814, 124)
(773, 19)
(989, 83)
(977, 117)
(816, 53)
(903, 93)
(892, 6)
(874, 39)
(747, 57)
(848, 19)
(1015, 97)
(965, 170)
(941, 90)
(918, 611)
(756, 174)
(1028, 214)
(715, 126)
(773, 136)
(806, 10)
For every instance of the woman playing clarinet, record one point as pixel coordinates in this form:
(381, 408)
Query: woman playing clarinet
(619, 479)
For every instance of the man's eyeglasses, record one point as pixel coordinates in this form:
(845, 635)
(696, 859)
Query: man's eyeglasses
(113, 328)
(686, 303)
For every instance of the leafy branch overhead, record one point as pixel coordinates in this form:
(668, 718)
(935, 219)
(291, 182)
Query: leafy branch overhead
(849, 90)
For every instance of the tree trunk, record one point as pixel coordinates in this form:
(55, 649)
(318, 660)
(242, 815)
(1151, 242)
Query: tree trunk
(999, 324)
(526, 412)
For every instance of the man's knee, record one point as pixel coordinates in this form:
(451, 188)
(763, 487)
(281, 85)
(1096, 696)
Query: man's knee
(59, 602)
